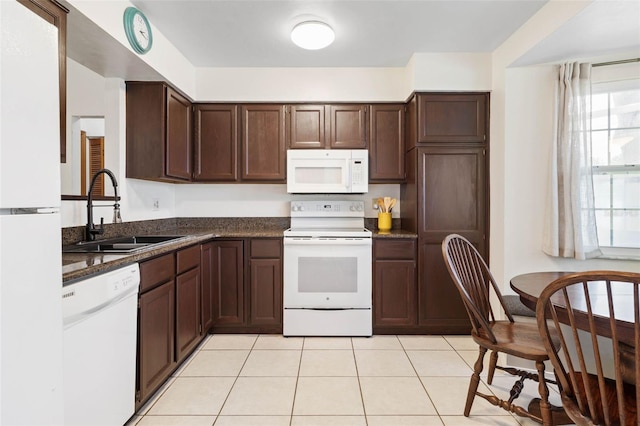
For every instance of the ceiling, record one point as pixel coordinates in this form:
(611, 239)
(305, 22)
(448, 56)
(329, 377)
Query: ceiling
(369, 33)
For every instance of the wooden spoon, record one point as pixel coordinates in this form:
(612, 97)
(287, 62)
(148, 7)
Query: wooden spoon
(381, 205)
(392, 204)
(387, 202)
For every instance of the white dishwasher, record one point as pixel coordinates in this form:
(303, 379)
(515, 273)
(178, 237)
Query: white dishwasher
(99, 344)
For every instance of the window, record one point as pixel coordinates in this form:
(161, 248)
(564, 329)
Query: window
(615, 150)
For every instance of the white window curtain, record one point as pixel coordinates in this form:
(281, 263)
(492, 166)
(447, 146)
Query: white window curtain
(570, 227)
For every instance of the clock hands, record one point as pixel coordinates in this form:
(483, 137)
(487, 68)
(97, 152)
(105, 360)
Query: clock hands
(144, 34)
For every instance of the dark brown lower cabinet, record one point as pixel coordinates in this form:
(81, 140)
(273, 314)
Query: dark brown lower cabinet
(265, 282)
(228, 278)
(248, 284)
(187, 312)
(156, 341)
(394, 285)
(453, 199)
(170, 319)
(446, 192)
(207, 296)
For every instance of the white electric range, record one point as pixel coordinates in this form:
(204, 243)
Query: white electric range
(327, 270)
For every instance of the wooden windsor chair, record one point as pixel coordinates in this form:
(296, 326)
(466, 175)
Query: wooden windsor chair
(596, 316)
(475, 284)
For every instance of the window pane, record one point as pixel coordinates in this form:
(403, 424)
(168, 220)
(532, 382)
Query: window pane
(600, 148)
(601, 188)
(600, 111)
(626, 191)
(603, 218)
(615, 150)
(625, 147)
(626, 224)
(625, 109)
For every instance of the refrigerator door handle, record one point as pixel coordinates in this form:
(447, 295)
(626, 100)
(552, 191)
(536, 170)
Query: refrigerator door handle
(35, 210)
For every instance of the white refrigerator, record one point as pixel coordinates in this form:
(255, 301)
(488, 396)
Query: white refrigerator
(31, 388)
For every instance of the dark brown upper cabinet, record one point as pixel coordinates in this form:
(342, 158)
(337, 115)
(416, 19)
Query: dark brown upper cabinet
(306, 126)
(386, 144)
(348, 126)
(339, 126)
(158, 133)
(447, 117)
(56, 14)
(215, 142)
(263, 142)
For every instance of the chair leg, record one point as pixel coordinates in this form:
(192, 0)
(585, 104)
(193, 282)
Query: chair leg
(493, 360)
(475, 379)
(545, 407)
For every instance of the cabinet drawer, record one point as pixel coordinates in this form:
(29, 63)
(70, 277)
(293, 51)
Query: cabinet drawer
(156, 271)
(395, 249)
(188, 258)
(266, 248)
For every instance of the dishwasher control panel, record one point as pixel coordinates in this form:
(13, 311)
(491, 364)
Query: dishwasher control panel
(95, 292)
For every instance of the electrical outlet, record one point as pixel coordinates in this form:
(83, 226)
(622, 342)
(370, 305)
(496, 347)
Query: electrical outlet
(156, 204)
(374, 203)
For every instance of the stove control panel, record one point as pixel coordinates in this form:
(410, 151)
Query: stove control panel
(327, 208)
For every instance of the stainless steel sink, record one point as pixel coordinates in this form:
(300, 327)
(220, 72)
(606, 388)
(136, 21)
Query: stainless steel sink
(120, 245)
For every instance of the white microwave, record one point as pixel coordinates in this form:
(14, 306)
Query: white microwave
(327, 171)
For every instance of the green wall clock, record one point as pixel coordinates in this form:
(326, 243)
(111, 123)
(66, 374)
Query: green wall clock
(138, 30)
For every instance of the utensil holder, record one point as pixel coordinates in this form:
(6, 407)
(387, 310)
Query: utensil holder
(384, 221)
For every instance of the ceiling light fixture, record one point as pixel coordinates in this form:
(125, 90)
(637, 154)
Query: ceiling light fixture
(312, 35)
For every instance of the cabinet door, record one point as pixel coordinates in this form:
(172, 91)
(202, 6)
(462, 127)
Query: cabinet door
(207, 293)
(266, 291)
(178, 133)
(263, 142)
(228, 279)
(146, 138)
(386, 144)
(306, 126)
(215, 142)
(347, 126)
(155, 338)
(394, 293)
(452, 117)
(452, 193)
(187, 312)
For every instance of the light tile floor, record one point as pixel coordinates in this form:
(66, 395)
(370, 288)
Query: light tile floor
(247, 380)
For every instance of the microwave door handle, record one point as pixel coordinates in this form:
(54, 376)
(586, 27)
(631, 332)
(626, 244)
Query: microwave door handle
(348, 179)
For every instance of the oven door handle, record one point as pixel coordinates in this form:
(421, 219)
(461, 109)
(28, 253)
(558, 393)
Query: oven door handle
(328, 241)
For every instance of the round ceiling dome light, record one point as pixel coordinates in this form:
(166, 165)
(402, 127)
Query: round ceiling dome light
(312, 35)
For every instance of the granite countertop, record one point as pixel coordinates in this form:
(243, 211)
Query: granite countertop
(81, 265)
(194, 230)
(393, 233)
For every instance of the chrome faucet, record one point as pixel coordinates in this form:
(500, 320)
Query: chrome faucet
(92, 230)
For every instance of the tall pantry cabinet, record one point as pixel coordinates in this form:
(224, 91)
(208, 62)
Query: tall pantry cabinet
(446, 191)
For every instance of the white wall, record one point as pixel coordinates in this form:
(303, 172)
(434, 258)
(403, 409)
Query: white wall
(89, 94)
(85, 98)
(450, 71)
(521, 137)
(262, 200)
(164, 57)
(529, 135)
(302, 84)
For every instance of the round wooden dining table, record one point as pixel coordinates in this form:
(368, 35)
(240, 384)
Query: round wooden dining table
(529, 286)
